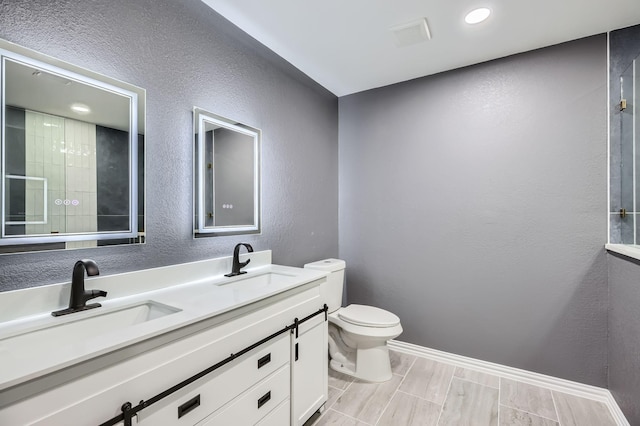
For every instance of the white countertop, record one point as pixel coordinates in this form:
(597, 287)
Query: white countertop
(197, 299)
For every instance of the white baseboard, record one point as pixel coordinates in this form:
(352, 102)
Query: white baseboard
(553, 383)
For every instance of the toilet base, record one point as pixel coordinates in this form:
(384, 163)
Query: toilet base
(372, 364)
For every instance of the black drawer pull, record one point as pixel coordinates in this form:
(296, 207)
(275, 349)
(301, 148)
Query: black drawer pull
(264, 360)
(188, 406)
(266, 397)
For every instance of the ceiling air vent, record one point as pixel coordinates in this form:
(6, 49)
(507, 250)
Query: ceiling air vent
(411, 33)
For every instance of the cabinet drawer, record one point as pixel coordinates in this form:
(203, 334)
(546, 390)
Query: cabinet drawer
(204, 396)
(278, 417)
(254, 404)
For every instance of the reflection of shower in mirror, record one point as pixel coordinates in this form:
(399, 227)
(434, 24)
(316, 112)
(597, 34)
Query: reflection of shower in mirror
(73, 155)
(626, 225)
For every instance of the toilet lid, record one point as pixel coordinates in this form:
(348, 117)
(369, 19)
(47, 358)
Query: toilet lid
(368, 316)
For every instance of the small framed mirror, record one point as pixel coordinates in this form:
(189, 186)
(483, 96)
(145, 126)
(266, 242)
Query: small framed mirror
(226, 176)
(72, 170)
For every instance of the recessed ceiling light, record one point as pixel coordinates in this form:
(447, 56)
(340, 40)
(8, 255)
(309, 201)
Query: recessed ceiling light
(477, 15)
(80, 108)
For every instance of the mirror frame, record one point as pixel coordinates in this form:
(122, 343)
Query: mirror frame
(200, 118)
(136, 95)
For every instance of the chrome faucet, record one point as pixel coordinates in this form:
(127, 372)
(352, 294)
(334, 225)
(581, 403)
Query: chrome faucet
(237, 265)
(79, 296)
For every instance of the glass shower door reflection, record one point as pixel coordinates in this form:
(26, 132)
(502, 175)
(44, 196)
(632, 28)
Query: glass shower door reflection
(626, 221)
(627, 213)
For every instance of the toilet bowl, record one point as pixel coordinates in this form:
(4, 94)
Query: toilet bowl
(358, 334)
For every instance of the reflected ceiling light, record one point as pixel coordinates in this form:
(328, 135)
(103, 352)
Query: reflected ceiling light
(80, 108)
(477, 15)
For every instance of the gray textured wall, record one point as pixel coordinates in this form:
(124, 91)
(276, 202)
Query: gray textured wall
(472, 205)
(184, 54)
(624, 329)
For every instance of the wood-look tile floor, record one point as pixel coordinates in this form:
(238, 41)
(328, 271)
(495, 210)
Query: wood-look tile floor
(430, 393)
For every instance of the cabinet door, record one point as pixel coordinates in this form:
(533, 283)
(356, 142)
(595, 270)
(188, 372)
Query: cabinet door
(309, 373)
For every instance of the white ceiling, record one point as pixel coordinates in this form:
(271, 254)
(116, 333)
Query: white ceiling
(347, 47)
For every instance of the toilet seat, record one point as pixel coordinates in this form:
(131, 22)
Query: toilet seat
(368, 316)
(355, 327)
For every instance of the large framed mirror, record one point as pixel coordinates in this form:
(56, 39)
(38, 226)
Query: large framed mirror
(72, 148)
(226, 176)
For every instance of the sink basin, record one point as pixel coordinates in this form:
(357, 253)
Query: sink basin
(251, 286)
(78, 329)
(263, 280)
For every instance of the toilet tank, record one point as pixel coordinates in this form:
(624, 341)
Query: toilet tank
(331, 291)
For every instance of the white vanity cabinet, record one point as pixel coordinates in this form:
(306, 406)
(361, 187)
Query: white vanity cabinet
(309, 375)
(263, 371)
(250, 407)
(263, 385)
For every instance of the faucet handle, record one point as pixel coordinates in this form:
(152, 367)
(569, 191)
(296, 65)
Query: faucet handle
(91, 294)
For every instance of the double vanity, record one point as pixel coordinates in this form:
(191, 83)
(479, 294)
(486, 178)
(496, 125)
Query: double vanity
(180, 344)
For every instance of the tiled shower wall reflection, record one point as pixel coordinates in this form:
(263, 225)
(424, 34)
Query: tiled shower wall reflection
(81, 189)
(63, 152)
(624, 83)
(44, 155)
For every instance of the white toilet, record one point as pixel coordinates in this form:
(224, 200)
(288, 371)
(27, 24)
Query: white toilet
(358, 334)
